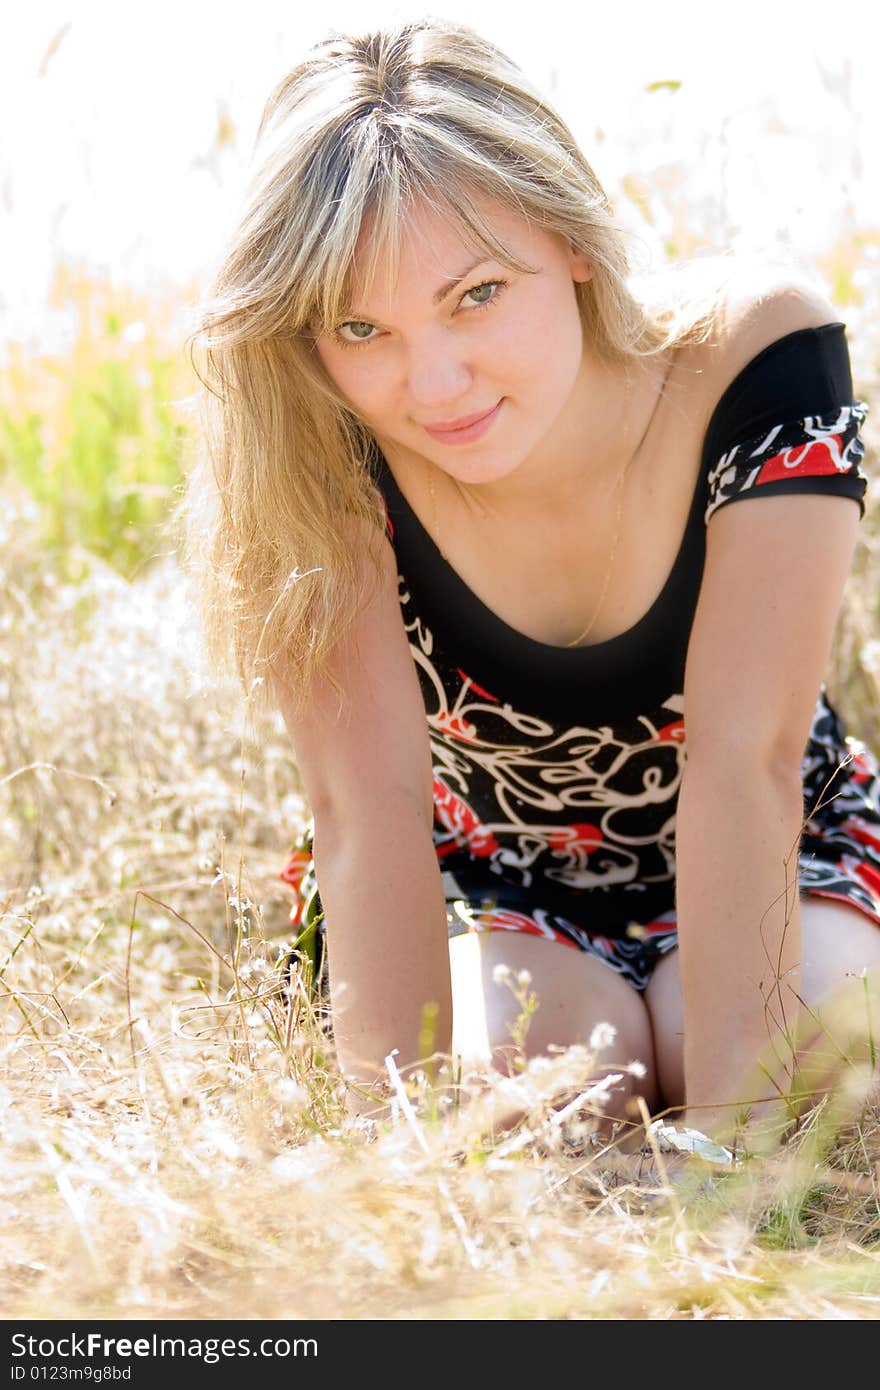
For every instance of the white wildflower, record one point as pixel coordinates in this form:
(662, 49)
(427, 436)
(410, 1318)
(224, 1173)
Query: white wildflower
(578, 1131)
(539, 1064)
(513, 1089)
(501, 974)
(602, 1037)
(290, 1092)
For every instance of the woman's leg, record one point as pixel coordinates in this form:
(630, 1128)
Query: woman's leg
(575, 991)
(663, 1002)
(841, 986)
(839, 942)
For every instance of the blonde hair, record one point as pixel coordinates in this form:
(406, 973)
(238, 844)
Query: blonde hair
(285, 478)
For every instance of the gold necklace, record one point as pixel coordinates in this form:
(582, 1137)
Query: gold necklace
(619, 487)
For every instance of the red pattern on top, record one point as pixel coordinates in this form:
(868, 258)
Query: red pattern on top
(295, 868)
(870, 876)
(671, 733)
(861, 832)
(457, 816)
(478, 688)
(865, 771)
(579, 836)
(456, 727)
(813, 459)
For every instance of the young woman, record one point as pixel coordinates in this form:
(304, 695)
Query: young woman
(466, 519)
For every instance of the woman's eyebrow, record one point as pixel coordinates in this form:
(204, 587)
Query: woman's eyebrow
(446, 288)
(450, 285)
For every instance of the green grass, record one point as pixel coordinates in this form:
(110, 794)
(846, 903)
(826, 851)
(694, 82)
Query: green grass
(99, 437)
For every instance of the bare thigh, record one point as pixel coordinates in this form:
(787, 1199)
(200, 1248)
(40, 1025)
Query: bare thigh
(575, 991)
(839, 942)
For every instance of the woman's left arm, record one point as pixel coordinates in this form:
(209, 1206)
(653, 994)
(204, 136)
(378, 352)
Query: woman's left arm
(773, 581)
(737, 830)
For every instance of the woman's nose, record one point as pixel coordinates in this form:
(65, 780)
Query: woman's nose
(437, 373)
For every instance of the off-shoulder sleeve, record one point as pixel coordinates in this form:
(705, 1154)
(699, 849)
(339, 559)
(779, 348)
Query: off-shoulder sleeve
(789, 423)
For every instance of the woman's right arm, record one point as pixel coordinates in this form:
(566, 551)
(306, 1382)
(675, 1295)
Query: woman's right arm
(368, 779)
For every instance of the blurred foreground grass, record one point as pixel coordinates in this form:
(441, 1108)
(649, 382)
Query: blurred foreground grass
(173, 1137)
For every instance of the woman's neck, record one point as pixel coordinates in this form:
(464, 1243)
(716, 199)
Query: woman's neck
(605, 419)
(603, 422)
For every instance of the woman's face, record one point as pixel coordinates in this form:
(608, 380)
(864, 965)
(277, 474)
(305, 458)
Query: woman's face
(461, 360)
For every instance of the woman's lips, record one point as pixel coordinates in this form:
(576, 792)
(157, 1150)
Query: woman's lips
(474, 427)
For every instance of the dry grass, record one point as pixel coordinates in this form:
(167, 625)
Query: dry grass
(173, 1141)
(173, 1134)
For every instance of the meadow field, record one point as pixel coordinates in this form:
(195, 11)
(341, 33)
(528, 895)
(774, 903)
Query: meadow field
(173, 1139)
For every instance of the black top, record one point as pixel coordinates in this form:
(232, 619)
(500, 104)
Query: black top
(557, 768)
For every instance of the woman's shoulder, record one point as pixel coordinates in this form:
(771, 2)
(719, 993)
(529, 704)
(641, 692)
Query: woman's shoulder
(727, 309)
(760, 302)
(779, 410)
(764, 302)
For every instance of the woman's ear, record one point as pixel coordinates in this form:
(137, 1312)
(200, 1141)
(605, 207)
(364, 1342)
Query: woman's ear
(581, 265)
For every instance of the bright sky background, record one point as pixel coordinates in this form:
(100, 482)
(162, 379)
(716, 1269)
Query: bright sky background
(107, 149)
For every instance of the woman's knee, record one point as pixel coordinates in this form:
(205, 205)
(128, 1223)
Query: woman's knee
(839, 945)
(516, 995)
(840, 979)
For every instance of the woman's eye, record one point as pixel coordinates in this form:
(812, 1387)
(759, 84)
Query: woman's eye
(485, 293)
(359, 331)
